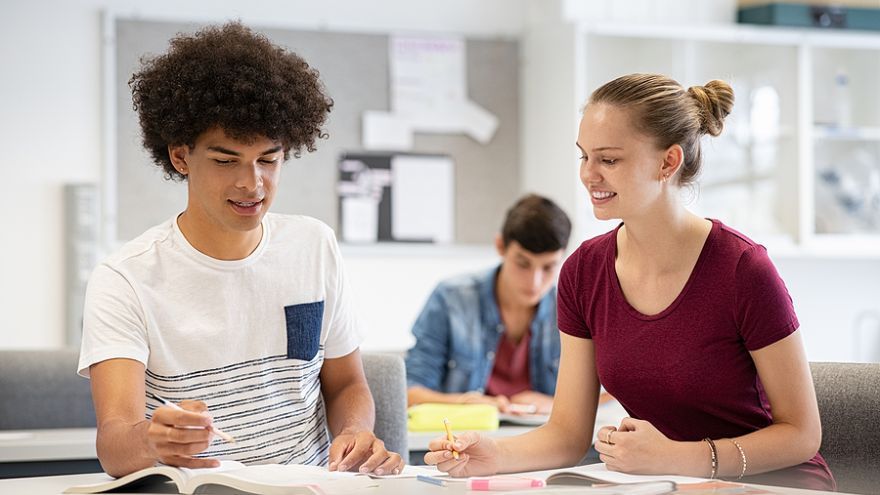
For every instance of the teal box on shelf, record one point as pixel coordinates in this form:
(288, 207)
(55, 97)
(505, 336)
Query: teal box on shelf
(796, 15)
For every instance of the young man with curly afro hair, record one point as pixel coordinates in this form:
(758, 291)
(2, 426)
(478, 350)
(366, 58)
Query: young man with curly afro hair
(239, 316)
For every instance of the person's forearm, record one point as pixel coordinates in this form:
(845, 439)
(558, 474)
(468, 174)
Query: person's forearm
(350, 410)
(418, 395)
(775, 447)
(547, 447)
(122, 447)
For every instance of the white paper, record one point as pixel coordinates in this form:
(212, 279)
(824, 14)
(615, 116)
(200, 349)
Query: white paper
(600, 471)
(422, 194)
(360, 219)
(479, 123)
(458, 117)
(385, 131)
(410, 471)
(428, 95)
(426, 74)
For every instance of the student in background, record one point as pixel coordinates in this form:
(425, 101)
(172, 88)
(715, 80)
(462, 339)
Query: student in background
(240, 316)
(685, 320)
(491, 337)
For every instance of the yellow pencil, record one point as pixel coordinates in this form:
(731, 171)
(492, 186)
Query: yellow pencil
(450, 437)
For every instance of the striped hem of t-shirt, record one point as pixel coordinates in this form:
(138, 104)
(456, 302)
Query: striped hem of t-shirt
(272, 406)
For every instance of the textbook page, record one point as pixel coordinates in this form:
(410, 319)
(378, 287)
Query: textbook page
(270, 479)
(600, 471)
(266, 479)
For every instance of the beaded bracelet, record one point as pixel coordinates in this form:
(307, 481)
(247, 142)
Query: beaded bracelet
(742, 454)
(714, 453)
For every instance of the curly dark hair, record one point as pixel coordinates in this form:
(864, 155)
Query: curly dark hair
(228, 77)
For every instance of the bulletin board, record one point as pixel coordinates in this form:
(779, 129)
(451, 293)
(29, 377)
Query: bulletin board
(354, 68)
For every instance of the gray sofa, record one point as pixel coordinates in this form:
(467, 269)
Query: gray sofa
(386, 376)
(849, 404)
(40, 389)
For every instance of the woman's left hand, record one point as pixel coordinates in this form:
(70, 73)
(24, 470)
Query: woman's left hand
(636, 447)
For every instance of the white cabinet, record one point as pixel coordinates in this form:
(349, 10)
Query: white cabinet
(846, 141)
(798, 164)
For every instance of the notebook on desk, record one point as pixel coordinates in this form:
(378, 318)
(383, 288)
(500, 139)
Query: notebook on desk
(523, 419)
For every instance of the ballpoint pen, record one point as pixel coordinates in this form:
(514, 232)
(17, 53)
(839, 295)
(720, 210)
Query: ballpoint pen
(450, 437)
(221, 434)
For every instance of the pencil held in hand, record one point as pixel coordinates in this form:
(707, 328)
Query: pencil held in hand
(222, 434)
(450, 437)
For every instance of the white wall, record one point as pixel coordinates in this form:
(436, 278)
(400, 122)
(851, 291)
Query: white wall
(390, 285)
(50, 111)
(838, 305)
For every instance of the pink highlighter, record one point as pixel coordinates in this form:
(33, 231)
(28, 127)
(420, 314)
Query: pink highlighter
(503, 483)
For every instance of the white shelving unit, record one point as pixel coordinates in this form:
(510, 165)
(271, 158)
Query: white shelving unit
(798, 164)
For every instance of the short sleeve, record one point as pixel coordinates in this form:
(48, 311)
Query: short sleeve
(569, 303)
(343, 334)
(114, 325)
(764, 309)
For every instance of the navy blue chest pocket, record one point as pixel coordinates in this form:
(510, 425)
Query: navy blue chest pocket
(303, 329)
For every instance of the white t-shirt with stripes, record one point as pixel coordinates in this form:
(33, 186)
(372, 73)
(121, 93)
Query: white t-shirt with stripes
(247, 337)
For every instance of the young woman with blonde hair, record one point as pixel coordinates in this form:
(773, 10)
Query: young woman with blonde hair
(683, 319)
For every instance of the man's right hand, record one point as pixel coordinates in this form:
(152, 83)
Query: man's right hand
(499, 401)
(176, 435)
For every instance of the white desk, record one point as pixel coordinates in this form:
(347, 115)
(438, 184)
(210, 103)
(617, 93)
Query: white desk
(55, 485)
(47, 445)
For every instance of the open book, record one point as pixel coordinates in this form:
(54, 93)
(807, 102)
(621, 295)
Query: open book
(596, 479)
(235, 477)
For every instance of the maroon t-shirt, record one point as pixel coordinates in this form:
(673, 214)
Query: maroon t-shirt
(687, 370)
(510, 373)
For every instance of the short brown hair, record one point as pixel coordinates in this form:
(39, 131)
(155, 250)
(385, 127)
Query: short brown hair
(663, 109)
(537, 224)
(232, 78)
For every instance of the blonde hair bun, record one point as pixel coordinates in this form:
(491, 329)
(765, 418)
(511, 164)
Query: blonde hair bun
(715, 101)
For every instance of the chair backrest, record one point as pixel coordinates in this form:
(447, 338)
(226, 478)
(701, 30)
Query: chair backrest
(386, 376)
(40, 389)
(849, 405)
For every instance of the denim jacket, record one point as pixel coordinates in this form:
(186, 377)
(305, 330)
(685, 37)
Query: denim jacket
(458, 332)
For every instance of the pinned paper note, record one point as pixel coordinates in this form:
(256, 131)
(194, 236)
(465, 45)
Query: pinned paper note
(423, 188)
(428, 95)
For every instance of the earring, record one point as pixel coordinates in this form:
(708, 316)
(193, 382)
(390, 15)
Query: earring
(665, 178)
